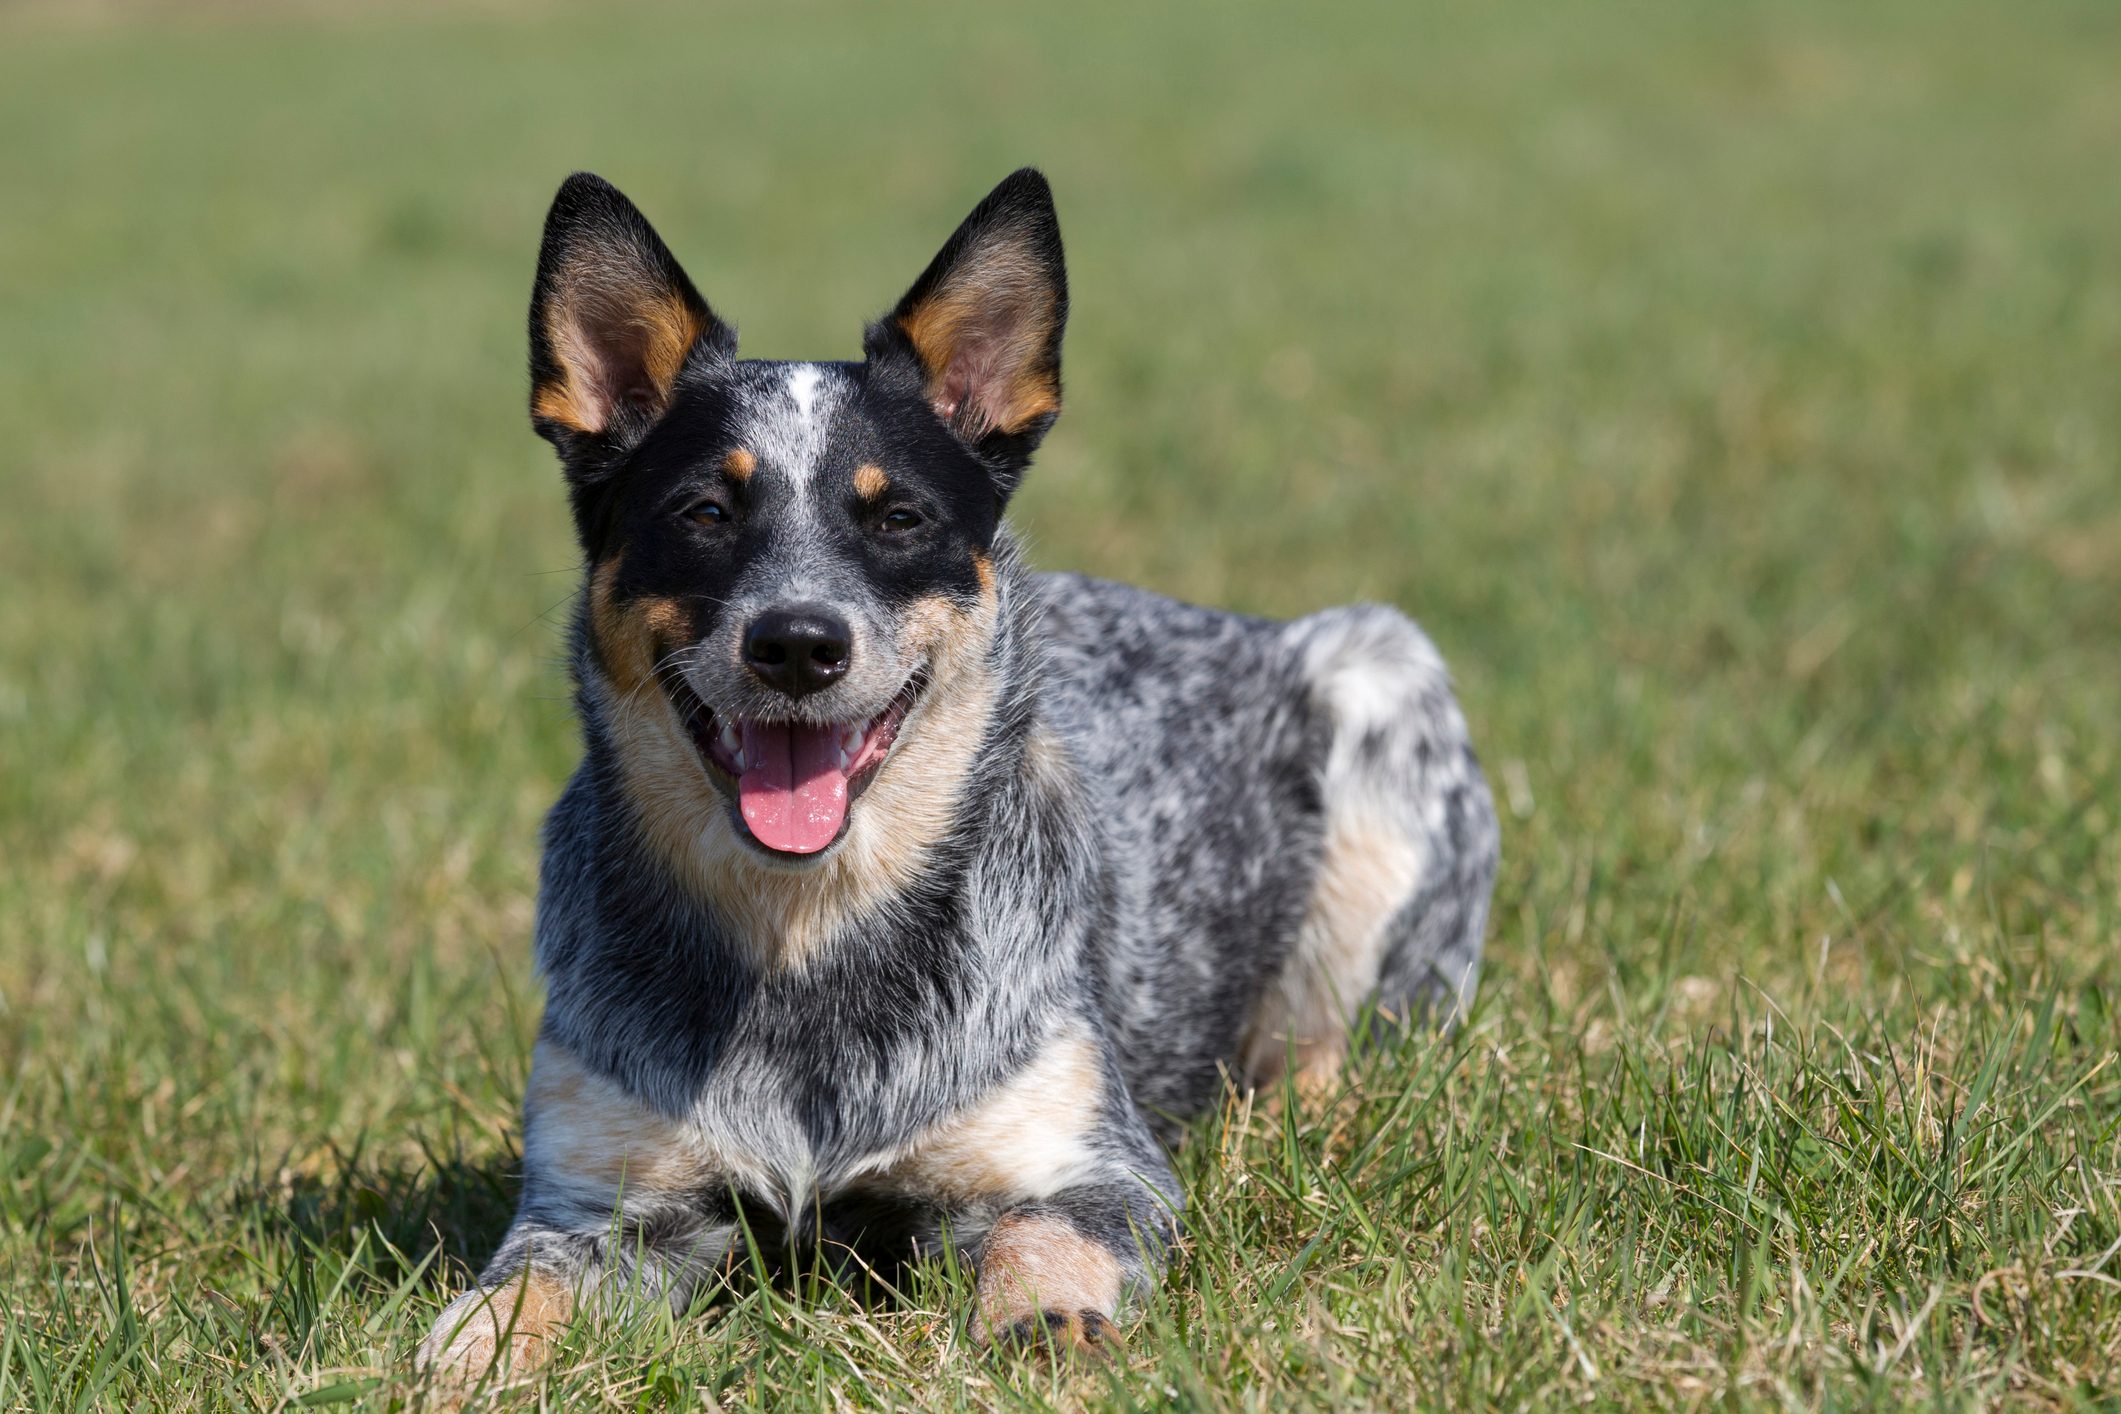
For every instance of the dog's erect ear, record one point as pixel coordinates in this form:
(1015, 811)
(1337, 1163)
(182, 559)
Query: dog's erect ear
(612, 321)
(983, 324)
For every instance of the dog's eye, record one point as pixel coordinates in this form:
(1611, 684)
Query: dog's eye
(708, 512)
(899, 520)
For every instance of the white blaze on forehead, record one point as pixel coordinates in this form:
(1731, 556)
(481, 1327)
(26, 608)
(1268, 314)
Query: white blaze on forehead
(790, 421)
(788, 414)
(802, 386)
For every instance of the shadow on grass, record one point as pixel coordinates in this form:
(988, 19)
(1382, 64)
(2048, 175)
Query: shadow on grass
(462, 1206)
(456, 1202)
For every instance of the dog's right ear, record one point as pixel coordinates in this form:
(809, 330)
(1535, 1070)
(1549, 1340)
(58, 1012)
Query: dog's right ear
(612, 322)
(982, 327)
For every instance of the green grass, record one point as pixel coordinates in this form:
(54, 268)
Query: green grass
(1730, 389)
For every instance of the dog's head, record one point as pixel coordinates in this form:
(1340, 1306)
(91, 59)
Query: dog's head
(791, 572)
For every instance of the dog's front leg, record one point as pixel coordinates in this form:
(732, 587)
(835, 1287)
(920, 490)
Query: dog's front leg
(618, 1206)
(1054, 1273)
(544, 1273)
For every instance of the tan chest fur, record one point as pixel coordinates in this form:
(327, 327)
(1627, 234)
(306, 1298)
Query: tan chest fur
(1025, 1139)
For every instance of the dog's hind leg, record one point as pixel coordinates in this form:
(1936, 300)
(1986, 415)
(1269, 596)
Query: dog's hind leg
(1399, 903)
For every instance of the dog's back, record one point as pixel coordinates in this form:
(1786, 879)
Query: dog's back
(1292, 823)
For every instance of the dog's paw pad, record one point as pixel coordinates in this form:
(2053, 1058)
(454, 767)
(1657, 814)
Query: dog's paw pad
(1060, 1332)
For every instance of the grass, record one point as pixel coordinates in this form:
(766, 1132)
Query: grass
(1729, 389)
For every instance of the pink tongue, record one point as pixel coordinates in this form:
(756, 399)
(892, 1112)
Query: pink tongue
(793, 792)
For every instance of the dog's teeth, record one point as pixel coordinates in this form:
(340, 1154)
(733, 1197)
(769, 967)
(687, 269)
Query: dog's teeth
(732, 743)
(851, 741)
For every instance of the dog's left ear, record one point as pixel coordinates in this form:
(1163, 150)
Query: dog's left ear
(982, 326)
(613, 320)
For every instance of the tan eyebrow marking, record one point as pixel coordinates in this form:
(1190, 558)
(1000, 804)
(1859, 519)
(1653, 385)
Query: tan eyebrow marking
(739, 465)
(870, 481)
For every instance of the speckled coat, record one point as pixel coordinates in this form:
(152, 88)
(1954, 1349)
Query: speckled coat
(1107, 848)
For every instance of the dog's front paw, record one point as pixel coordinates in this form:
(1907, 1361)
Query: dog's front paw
(512, 1325)
(1044, 1286)
(1061, 1333)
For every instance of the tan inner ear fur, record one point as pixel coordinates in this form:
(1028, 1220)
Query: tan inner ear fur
(1033, 1263)
(615, 333)
(781, 917)
(1010, 383)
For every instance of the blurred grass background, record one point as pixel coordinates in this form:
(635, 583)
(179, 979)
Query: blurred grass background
(1731, 390)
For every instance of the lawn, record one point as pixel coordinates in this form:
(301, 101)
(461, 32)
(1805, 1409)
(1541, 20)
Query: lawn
(1733, 391)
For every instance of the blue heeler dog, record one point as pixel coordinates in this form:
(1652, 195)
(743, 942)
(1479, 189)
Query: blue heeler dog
(904, 896)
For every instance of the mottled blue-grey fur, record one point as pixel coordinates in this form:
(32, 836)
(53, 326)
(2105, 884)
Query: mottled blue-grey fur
(1112, 850)
(1154, 898)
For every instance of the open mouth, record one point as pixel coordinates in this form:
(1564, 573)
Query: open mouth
(795, 780)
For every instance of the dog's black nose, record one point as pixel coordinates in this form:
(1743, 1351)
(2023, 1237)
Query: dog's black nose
(797, 650)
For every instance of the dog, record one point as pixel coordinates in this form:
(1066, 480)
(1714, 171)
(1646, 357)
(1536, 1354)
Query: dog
(904, 897)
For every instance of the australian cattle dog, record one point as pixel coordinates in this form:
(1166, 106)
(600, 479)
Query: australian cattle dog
(904, 896)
